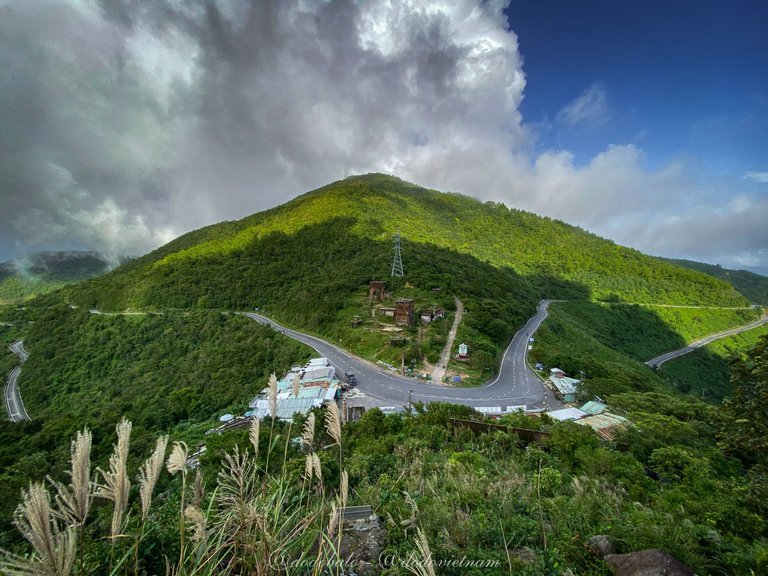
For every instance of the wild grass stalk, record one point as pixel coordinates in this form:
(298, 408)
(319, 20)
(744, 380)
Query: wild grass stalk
(74, 501)
(116, 484)
(177, 462)
(148, 475)
(272, 397)
(54, 547)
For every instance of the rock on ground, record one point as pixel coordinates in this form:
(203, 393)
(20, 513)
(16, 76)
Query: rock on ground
(647, 563)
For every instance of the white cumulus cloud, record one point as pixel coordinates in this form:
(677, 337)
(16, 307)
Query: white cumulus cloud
(124, 123)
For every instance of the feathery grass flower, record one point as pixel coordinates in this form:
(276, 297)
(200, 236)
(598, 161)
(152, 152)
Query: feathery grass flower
(54, 548)
(333, 422)
(75, 500)
(308, 436)
(177, 461)
(149, 473)
(253, 435)
(273, 396)
(116, 483)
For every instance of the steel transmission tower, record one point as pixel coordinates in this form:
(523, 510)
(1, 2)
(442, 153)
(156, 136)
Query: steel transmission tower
(397, 262)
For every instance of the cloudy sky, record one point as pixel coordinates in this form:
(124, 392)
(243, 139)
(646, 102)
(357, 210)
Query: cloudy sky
(124, 123)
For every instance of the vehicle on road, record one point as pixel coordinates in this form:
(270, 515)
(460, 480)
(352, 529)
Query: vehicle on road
(351, 378)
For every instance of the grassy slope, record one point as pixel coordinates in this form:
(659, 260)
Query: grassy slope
(610, 342)
(705, 372)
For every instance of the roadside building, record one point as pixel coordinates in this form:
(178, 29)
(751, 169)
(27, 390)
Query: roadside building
(565, 388)
(594, 407)
(567, 414)
(317, 384)
(605, 424)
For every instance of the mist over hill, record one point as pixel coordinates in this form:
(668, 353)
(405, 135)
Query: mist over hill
(42, 272)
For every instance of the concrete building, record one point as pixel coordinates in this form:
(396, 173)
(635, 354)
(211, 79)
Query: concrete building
(404, 311)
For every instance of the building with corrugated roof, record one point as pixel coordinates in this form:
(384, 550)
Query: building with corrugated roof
(605, 424)
(566, 388)
(317, 384)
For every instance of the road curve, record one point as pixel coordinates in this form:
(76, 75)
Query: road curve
(13, 403)
(515, 386)
(659, 360)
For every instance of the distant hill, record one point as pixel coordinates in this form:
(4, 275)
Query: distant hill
(753, 286)
(43, 272)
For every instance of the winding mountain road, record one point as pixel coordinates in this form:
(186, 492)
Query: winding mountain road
(659, 360)
(13, 403)
(515, 387)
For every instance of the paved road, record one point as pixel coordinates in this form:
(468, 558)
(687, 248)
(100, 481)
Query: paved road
(13, 403)
(515, 387)
(659, 360)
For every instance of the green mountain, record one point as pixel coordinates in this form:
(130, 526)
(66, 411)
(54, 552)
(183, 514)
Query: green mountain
(43, 272)
(308, 263)
(237, 264)
(689, 479)
(753, 286)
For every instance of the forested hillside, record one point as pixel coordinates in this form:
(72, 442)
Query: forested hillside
(690, 481)
(44, 272)
(753, 286)
(183, 356)
(360, 215)
(161, 371)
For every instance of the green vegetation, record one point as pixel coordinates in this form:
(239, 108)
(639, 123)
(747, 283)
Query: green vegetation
(560, 261)
(753, 286)
(317, 278)
(45, 272)
(610, 342)
(442, 492)
(186, 356)
(160, 371)
(705, 372)
(307, 263)
(15, 289)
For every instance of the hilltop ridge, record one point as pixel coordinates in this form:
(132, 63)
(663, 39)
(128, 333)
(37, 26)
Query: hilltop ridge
(558, 260)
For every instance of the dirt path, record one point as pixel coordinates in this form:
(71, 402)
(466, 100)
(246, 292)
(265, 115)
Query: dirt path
(445, 355)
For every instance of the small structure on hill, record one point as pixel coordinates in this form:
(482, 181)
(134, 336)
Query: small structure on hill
(389, 312)
(376, 290)
(404, 311)
(427, 316)
(463, 351)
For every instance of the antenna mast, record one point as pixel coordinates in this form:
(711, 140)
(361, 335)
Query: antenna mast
(397, 262)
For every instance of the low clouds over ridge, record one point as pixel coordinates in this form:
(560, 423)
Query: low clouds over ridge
(123, 124)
